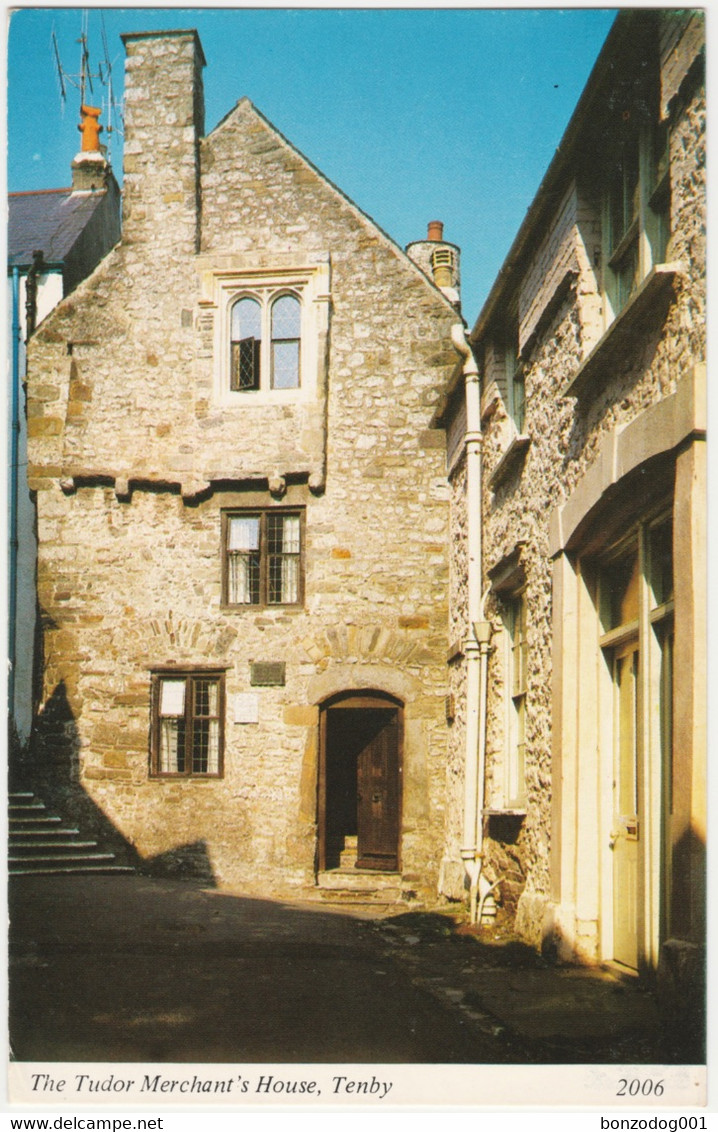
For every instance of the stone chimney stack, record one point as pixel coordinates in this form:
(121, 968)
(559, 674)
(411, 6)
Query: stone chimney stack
(439, 260)
(91, 171)
(164, 122)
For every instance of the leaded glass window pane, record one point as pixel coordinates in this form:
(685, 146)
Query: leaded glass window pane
(246, 345)
(243, 565)
(188, 725)
(283, 546)
(286, 333)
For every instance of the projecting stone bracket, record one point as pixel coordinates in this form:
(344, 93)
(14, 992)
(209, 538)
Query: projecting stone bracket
(192, 488)
(277, 485)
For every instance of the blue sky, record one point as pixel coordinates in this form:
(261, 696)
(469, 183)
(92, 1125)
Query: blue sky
(416, 114)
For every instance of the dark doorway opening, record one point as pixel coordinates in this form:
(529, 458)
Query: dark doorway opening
(360, 782)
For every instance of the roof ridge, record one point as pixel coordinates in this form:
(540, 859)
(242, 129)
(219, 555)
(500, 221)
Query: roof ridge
(37, 192)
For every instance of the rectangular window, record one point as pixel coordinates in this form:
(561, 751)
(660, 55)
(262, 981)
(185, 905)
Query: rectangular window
(187, 724)
(264, 561)
(515, 387)
(637, 608)
(636, 213)
(517, 681)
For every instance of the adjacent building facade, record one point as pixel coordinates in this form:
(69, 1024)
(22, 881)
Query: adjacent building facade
(56, 237)
(590, 419)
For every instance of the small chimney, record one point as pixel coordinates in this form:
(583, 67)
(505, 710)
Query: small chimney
(438, 260)
(90, 169)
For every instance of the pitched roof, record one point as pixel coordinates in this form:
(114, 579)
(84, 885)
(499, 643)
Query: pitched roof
(244, 105)
(50, 220)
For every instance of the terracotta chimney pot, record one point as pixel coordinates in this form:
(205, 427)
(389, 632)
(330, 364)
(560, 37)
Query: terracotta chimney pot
(436, 230)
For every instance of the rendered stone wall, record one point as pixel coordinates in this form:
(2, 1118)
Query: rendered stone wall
(132, 461)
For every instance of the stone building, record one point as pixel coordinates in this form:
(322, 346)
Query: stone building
(580, 431)
(243, 514)
(55, 238)
(316, 596)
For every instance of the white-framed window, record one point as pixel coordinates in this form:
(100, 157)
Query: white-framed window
(269, 327)
(516, 677)
(265, 332)
(636, 613)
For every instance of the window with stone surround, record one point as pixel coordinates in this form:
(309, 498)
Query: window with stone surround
(636, 209)
(515, 381)
(266, 326)
(187, 724)
(263, 557)
(500, 364)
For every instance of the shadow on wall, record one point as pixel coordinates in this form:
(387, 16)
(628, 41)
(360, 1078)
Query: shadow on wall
(50, 768)
(628, 353)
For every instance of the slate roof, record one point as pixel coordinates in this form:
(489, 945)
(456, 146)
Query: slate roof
(51, 220)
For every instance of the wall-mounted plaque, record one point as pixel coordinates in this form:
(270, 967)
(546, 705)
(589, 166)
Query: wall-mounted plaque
(268, 673)
(246, 707)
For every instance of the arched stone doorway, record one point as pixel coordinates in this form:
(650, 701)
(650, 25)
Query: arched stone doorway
(360, 781)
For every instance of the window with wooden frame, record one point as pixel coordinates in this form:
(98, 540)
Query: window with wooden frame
(636, 213)
(263, 557)
(187, 724)
(636, 614)
(515, 380)
(516, 658)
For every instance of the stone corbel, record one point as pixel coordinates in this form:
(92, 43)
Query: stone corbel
(317, 481)
(277, 485)
(191, 488)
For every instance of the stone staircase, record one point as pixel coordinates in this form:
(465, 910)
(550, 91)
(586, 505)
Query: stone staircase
(349, 885)
(40, 843)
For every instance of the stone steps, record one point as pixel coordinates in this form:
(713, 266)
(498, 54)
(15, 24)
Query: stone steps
(41, 844)
(359, 887)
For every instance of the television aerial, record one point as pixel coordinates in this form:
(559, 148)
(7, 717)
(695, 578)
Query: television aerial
(86, 76)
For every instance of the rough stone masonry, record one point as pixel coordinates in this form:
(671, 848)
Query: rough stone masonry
(138, 447)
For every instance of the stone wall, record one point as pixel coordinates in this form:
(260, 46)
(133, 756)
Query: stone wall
(133, 459)
(555, 257)
(560, 327)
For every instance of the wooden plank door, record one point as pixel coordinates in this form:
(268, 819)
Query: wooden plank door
(378, 790)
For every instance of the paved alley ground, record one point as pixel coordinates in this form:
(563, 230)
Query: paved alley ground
(131, 968)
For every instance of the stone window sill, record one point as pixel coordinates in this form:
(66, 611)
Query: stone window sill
(513, 454)
(500, 812)
(615, 340)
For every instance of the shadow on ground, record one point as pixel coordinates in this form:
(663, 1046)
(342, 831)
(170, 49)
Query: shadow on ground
(550, 1013)
(133, 968)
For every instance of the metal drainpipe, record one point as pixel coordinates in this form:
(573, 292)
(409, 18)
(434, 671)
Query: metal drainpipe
(14, 458)
(476, 646)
